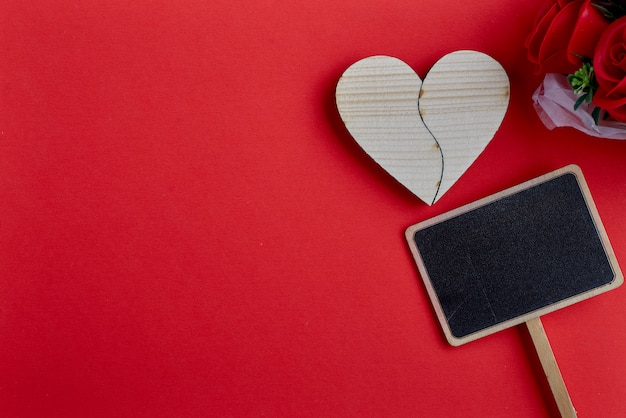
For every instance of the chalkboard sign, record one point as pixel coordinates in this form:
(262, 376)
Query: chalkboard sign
(514, 256)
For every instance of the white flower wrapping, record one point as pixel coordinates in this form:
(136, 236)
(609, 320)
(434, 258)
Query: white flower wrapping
(554, 102)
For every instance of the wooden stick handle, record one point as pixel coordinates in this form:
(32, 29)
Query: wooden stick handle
(550, 368)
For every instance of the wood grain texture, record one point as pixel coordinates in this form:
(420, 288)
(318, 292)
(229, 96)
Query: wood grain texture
(550, 368)
(463, 101)
(377, 100)
(425, 134)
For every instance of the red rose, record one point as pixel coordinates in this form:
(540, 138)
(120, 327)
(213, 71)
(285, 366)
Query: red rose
(568, 31)
(609, 63)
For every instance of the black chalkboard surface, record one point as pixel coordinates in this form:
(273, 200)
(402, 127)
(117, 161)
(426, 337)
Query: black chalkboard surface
(514, 256)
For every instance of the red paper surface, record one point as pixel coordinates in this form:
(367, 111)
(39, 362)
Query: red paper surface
(187, 228)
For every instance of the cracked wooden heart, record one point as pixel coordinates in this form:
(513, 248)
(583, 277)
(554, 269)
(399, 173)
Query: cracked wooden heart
(425, 134)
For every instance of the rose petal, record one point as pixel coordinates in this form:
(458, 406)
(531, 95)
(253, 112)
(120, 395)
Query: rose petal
(535, 38)
(600, 99)
(619, 114)
(589, 27)
(607, 73)
(610, 99)
(557, 63)
(558, 36)
(618, 55)
(618, 91)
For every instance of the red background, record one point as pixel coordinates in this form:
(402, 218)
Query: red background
(187, 229)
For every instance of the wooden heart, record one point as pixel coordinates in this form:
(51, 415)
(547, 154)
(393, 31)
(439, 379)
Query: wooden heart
(426, 135)
(377, 101)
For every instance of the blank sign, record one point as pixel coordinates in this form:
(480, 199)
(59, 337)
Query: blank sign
(513, 256)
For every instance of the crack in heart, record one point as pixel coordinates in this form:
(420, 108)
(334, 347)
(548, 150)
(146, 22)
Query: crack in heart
(443, 160)
(425, 134)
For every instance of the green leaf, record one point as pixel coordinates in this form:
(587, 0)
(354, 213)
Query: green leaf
(596, 115)
(580, 101)
(584, 84)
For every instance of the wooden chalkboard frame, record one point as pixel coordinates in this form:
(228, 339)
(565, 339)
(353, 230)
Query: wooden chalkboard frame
(454, 340)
